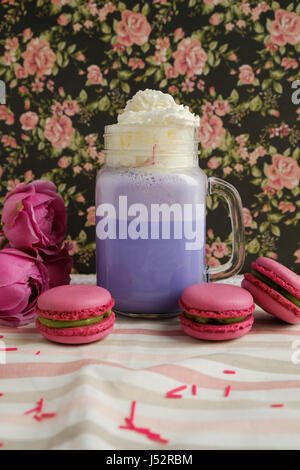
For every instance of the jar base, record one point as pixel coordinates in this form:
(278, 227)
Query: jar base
(148, 315)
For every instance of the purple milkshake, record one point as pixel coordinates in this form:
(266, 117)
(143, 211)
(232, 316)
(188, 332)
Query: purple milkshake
(150, 208)
(147, 275)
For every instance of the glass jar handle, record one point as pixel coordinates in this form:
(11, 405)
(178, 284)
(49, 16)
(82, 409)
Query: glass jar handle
(232, 197)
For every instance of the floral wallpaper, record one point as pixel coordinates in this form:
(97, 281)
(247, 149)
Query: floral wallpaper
(69, 67)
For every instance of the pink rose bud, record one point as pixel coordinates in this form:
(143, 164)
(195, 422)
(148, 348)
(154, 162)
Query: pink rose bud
(22, 279)
(34, 216)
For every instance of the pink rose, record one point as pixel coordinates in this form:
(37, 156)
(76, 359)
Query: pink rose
(94, 75)
(246, 74)
(59, 131)
(189, 58)
(247, 217)
(29, 120)
(211, 131)
(58, 263)
(22, 279)
(34, 216)
(39, 58)
(283, 173)
(285, 28)
(133, 29)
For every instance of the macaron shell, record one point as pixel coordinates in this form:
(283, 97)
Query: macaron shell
(214, 297)
(215, 332)
(73, 297)
(78, 335)
(279, 274)
(270, 300)
(78, 339)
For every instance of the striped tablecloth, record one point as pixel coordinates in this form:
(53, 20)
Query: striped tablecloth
(90, 388)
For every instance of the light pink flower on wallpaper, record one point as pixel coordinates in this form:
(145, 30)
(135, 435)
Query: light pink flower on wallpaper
(289, 63)
(285, 207)
(190, 57)
(285, 29)
(247, 217)
(297, 254)
(20, 72)
(162, 43)
(219, 249)
(135, 63)
(38, 57)
(27, 34)
(213, 261)
(63, 20)
(29, 120)
(70, 107)
(179, 33)
(283, 173)
(94, 75)
(215, 19)
(170, 71)
(63, 162)
(221, 107)
(11, 44)
(59, 131)
(91, 215)
(59, 2)
(246, 74)
(213, 163)
(211, 131)
(133, 29)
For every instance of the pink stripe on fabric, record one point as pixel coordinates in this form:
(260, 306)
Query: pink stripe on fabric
(178, 373)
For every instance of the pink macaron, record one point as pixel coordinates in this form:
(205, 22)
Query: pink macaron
(75, 314)
(216, 311)
(275, 288)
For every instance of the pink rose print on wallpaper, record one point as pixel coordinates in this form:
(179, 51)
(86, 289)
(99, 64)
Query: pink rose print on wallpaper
(70, 67)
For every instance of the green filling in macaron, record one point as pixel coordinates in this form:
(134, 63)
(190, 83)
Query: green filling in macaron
(214, 321)
(72, 324)
(276, 287)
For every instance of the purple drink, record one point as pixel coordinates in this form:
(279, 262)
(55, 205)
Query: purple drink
(146, 269)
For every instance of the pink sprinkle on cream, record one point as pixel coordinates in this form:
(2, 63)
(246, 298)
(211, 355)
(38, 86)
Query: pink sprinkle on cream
(130, 425)
(227, 391)
(277, 405)
(229, 371)
(48, 415)
(38, 352)
(194, 389)
(172, 393)
(1, 444)
(38, 418)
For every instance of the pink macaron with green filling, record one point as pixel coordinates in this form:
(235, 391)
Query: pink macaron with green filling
(275, 288)
(75, 314)
(216, 311)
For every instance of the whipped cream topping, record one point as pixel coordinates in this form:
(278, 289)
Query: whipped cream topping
(153, 130)
(155, 107)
